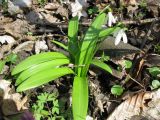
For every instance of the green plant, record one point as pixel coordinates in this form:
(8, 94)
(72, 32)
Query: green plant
(42, 2)
(155, 84)
(154, 71)
(117, 90)
(45, 67)
(93, 10)
(11, 58)
(47, 107)
(157, 48)
(5, 5)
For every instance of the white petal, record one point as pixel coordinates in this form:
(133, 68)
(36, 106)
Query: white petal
(109, 19)
(118, 37)
(125, 40)
(113, 19)
(109, 22)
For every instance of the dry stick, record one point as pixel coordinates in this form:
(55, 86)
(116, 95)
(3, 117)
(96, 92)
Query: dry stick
(136, 82)
(87, 23)
(135, 57)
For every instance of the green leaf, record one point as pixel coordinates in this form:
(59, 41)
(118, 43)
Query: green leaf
(154, 71)
(61, 45)
(43, 77)
(72, 37)
(12, 58)
(155, 84)
(117, 90)
(89, 44)
(2, 64)
(127, 64)
(37, 59)
(40, 67)
(80, 98)
(106, 32)
(102, 65)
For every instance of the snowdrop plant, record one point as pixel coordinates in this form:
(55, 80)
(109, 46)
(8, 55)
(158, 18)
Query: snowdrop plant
(42, 68)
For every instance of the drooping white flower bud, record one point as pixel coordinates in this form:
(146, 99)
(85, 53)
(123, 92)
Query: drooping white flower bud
(111, 19)
(121, 35)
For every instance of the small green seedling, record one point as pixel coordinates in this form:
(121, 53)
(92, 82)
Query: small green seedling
(155, 84)
(11, 58)
(117, 90)
(93, 10)
(154, 71)
(127, 64)
(42, 2)
(47, 107)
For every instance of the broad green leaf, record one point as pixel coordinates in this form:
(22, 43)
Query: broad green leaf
(40, 67)
(2, 63)
(72, 37)
(80, 98)
(43, 77)
(117, 90)
(37, 59)
(127, 64)
(155, 84)
(102, 65)
(89, 44)
(60, 44)
(154, 71)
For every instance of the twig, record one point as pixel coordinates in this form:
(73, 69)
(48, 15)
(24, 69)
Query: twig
(136, 82)
(87, 23)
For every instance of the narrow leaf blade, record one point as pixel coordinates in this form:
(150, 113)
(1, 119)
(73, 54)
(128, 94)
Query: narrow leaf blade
(89, 43)
(43, 77)
(72, 35)
(61, 45)
(102, 65)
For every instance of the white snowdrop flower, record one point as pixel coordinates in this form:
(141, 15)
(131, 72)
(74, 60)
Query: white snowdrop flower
(77, 8)
(120, 35)
(111, 19)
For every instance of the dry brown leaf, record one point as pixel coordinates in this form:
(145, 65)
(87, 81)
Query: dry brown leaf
(18, 28)
(52, 6)
(152, 60)
(146, 104)
(11, 103)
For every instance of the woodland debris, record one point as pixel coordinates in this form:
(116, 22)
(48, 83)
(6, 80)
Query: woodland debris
(40, 45)
(10, 100)
(18, 29)
(6, 39)
(146, 104)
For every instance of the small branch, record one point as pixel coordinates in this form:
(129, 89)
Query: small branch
(87, 23)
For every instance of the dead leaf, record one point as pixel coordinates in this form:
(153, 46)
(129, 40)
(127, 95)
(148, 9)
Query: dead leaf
(146, 104)
(152, 60)
(10, 100)
(26, 46)
(18, 28)
(40, 45)
(52, 6)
